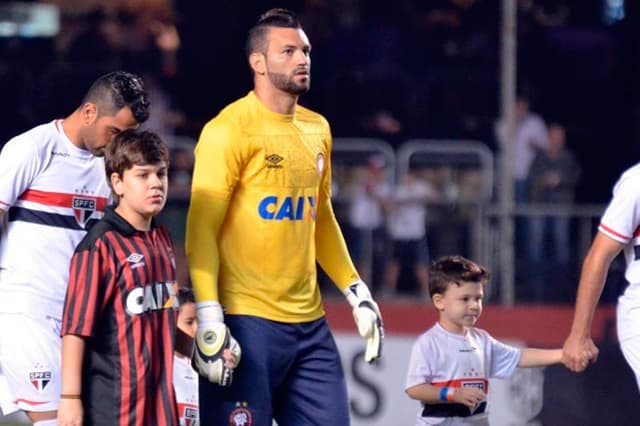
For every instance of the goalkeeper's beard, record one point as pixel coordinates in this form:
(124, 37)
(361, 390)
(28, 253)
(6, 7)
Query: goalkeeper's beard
(287, 83)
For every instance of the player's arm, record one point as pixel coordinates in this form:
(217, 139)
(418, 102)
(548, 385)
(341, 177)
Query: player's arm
(579, 346)
(469, 396)
(532, 357)
(333, 257)
(331, 249)
(70, 410)
(204, 219)
(215, 174)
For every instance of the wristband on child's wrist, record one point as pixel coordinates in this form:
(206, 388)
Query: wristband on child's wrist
(446, 394)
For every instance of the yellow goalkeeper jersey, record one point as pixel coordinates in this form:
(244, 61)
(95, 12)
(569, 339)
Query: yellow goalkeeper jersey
(274, 171)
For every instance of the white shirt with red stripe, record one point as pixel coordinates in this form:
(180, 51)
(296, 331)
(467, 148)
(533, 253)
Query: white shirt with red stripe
(50, 191)
(185, 383)
(441, 358)
(621, 221)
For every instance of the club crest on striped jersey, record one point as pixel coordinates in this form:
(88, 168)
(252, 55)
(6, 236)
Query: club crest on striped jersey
(39, 377)
(83, 208)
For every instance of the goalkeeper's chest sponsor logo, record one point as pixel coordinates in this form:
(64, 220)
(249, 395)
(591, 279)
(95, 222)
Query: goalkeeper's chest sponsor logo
(152, 297)
(83, 208)
(273, 207)
(39, 378)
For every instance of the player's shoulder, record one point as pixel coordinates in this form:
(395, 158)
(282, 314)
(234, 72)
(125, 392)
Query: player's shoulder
(111, 223)
(234, 117)
(311, 118)
(38, 137)
(630, 178)
(632, 173)
(95, 234)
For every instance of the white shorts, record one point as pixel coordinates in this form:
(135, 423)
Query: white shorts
(30, 358)
(628, 327)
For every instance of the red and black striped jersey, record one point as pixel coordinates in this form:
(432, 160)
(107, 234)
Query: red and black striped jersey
(122, 299)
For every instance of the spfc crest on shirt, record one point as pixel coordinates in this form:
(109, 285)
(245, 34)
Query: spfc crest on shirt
(83, 208)
(40, 379)
(190, 416)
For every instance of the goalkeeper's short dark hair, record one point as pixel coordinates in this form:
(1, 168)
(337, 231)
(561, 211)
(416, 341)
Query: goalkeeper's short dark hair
(279, 18)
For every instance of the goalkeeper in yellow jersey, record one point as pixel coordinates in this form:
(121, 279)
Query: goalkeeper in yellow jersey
(260, 217)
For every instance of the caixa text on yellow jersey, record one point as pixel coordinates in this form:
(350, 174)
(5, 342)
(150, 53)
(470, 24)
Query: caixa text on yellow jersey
(273, 207)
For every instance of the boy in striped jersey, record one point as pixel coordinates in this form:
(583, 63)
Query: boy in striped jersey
(120, 311)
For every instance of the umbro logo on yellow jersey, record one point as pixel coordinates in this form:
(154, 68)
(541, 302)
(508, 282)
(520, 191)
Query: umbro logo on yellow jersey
(274, 161)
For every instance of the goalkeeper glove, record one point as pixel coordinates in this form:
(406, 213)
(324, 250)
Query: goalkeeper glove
(212, 339)
(368, 319)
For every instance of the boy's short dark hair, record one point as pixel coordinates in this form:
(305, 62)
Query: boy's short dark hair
(133, 147)
(448, 270)
(185, 295)
(280, 18)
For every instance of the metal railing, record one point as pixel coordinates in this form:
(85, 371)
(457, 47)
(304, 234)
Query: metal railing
(471, 214)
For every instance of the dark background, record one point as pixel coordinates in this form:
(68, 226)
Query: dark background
(439, 80)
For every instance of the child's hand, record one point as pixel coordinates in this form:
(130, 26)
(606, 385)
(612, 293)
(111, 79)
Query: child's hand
(469, 396)
(229, 360)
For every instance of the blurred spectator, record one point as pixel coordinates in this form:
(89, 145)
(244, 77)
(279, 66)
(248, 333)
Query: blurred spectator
(530, 137)
(180, 171)
(166, 118)
(149, 36)
(174, 215)
(553, 178)
(367, 239)
(406, 224)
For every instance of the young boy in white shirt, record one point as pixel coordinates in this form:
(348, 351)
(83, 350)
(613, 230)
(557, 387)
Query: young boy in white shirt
(451, 363)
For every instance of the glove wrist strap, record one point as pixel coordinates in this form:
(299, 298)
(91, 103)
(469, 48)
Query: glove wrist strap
(209, 311)
(356, 292)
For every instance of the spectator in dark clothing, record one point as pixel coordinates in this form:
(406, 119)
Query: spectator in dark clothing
(553, 178)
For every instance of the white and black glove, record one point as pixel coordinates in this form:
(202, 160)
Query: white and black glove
(368, 319)
(212, 338)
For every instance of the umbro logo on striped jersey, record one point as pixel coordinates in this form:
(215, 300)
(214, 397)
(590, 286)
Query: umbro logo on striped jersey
(136, 260)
